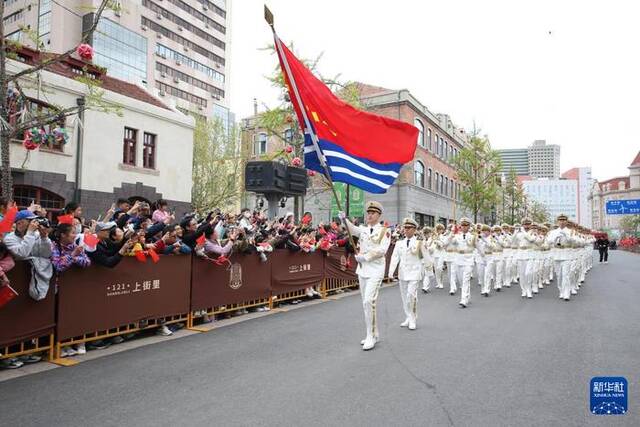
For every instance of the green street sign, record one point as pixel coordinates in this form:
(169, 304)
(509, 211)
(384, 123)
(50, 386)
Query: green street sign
(356, 200)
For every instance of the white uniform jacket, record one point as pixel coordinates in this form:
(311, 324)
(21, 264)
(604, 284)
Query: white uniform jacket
(373, 243)
(411, 256)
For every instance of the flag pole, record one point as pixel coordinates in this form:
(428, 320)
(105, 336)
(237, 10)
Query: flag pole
(268, 16)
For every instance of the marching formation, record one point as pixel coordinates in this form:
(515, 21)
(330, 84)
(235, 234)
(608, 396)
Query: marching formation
(528, 254)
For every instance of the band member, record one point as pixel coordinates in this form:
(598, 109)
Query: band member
(409, 257)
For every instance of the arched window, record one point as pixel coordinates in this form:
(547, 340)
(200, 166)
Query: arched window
(429, 178)
(261, 144)
(420, 127)
(23, 195)
(429, 139)
(418, 169)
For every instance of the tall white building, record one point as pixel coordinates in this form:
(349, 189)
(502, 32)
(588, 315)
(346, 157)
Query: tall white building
(559, 196)
(585, 184)
(177, 48)
(544, 160)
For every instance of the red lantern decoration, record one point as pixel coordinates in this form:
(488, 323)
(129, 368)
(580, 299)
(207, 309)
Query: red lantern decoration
(85, 51)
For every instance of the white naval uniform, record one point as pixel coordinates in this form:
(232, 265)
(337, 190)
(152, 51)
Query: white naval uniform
(373, 245)
(508, 252)
(559, 241)
(409, 257)
(524, 255)
(435, 244)
(498, 260)
(429, 264)
(465, 245)
(449, 256)
(484, 261)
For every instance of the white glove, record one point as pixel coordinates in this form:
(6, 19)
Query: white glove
(360, 258)
(342, 215)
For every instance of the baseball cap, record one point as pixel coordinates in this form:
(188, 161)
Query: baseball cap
(102, 226)
(24, 214)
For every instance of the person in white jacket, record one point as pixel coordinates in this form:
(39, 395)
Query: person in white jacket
(560, 241)
(374, 241)
(429, 263)
(409, 257)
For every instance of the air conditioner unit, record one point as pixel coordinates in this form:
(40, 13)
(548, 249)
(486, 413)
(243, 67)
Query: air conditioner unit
(206, 25)
(162, 93)
(218, 66)
(144, 28)
(205, 7)
(176, 80)
(186, 48)
(163, 75)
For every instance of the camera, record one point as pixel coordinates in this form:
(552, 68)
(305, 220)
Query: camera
(43, 222)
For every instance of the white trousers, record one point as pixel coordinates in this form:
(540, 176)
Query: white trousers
(465, 282)
(563, 277)
(439, 267)
(409, 295)
(453, 268)
(428, 278)
(369, 288)
(499, 273)
(524, 273)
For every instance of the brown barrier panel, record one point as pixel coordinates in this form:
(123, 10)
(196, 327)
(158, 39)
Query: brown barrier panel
(387, 261)
(246, 279)
(99, 298)
(335, 265)
(23, 317)
(292, 271)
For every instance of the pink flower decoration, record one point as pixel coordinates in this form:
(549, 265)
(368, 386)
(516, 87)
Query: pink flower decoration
(85, 51)
(296, 162)
(311, 173)
(288, 149)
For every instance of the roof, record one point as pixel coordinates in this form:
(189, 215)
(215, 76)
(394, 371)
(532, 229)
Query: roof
(365, 90)
(571, 173)
(71, 67)
(636, 161)
(613, 183)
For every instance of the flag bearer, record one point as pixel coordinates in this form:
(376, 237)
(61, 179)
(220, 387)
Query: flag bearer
(374, 240)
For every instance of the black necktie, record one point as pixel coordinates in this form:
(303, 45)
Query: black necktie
(371, 230)
(408, 243)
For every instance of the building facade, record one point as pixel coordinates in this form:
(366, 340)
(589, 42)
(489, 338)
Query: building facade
(427, 188)
(559, 196)
(585, 182)
(539, 160)
(619, 188)
(144, 152)
(177, 48)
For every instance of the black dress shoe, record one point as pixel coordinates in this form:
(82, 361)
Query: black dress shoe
(486, 295)
(452, 293)
(498, 290)
(462, 305)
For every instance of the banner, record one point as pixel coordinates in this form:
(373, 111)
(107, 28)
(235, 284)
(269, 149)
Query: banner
(23, 317)
(356, 200)
(292, 271)
(99, 298)
(337, 265)
(246, 279)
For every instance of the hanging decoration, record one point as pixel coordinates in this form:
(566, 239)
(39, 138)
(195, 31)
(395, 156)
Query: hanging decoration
(85, 51)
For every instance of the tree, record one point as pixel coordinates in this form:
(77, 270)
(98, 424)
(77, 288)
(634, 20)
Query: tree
(13, 84)
(630, 223)
(217, 163)
(538, 212)
(512, 198)
(274, 121)
(477, 167)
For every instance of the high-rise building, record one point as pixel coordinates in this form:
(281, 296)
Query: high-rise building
(177, 48)
(559, 196)
(585, 183)
(539, 160)
(516, 159)
(544, 160)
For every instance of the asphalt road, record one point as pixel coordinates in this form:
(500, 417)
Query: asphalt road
(501, 362)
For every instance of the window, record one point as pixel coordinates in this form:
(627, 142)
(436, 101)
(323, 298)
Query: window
(429, 177)
(446, 151)
(437, 152)
(437, 182)
(23, 195)
(166, 52)
(187, 96)
(129, 146)
(446, 186)
(201, 16)
(149, 151)
(44, 18)
(429, 139)
(288, 135)
(121, 51)
(261, 144)
(442, 187)
(418, 169)
(424, 220)
(441, 147)
(420, 127)
(189, 79)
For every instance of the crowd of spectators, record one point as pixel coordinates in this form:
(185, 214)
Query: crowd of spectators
(131, 228)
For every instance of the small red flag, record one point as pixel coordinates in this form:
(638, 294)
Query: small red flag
(7, 293)
(65, 219)
(200, 240)
(90, 240)
(154, 256)
(140, 256)
(7, 222)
